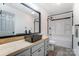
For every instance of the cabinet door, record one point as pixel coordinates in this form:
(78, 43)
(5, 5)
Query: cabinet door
(24, 53)
(36, 47)
(46, 47)
(39, 52)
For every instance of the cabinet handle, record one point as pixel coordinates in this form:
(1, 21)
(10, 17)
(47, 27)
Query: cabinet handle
(39, 50)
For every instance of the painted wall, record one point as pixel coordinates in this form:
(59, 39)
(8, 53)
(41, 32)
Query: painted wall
(21, 19)
(44, 16)
(76, 21)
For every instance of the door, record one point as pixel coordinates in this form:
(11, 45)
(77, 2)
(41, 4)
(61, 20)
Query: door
(60, 32)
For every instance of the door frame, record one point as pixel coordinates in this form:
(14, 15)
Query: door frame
(59, 14)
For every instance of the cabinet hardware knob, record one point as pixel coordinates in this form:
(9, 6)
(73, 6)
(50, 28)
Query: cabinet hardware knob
(39, 50)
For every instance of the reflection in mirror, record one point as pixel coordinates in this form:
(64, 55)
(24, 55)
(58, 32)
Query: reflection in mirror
(36, 24)
(16, 18)
(6, 23)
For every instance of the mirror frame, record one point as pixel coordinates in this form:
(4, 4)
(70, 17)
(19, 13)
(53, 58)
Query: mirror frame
(36, 12)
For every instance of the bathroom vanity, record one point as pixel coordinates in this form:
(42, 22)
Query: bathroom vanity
(25, 48)
(15, 25)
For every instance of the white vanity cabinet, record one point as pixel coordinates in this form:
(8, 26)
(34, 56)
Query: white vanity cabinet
(24, 53)
(39, 52)
(39, 49)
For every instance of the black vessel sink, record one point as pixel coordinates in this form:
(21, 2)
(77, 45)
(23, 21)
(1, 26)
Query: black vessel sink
(33, 37)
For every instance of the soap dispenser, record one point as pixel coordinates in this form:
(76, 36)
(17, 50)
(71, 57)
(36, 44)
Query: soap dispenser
(29, 32)
(26, 30)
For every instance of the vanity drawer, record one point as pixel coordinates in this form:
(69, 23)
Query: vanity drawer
(39, 52)
(36, 47)
(24, 53)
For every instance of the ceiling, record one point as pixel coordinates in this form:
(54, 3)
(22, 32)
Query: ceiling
(54, 8)
(50, 8)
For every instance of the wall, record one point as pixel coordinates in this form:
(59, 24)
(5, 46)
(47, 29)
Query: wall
(43, 21)
(76, 21)
(21, 19)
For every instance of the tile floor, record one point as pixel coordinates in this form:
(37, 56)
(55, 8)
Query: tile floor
(61, 51)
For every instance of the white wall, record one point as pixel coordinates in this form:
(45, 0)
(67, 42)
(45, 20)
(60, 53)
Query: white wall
(43, 21)
(21, 19)
(76, 21)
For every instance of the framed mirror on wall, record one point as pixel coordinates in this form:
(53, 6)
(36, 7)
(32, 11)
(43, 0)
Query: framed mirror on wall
(15, 18)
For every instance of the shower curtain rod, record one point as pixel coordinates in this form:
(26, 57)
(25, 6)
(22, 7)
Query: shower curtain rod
(61, 18)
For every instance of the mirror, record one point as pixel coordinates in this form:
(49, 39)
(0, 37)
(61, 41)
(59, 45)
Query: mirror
(15, 18)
